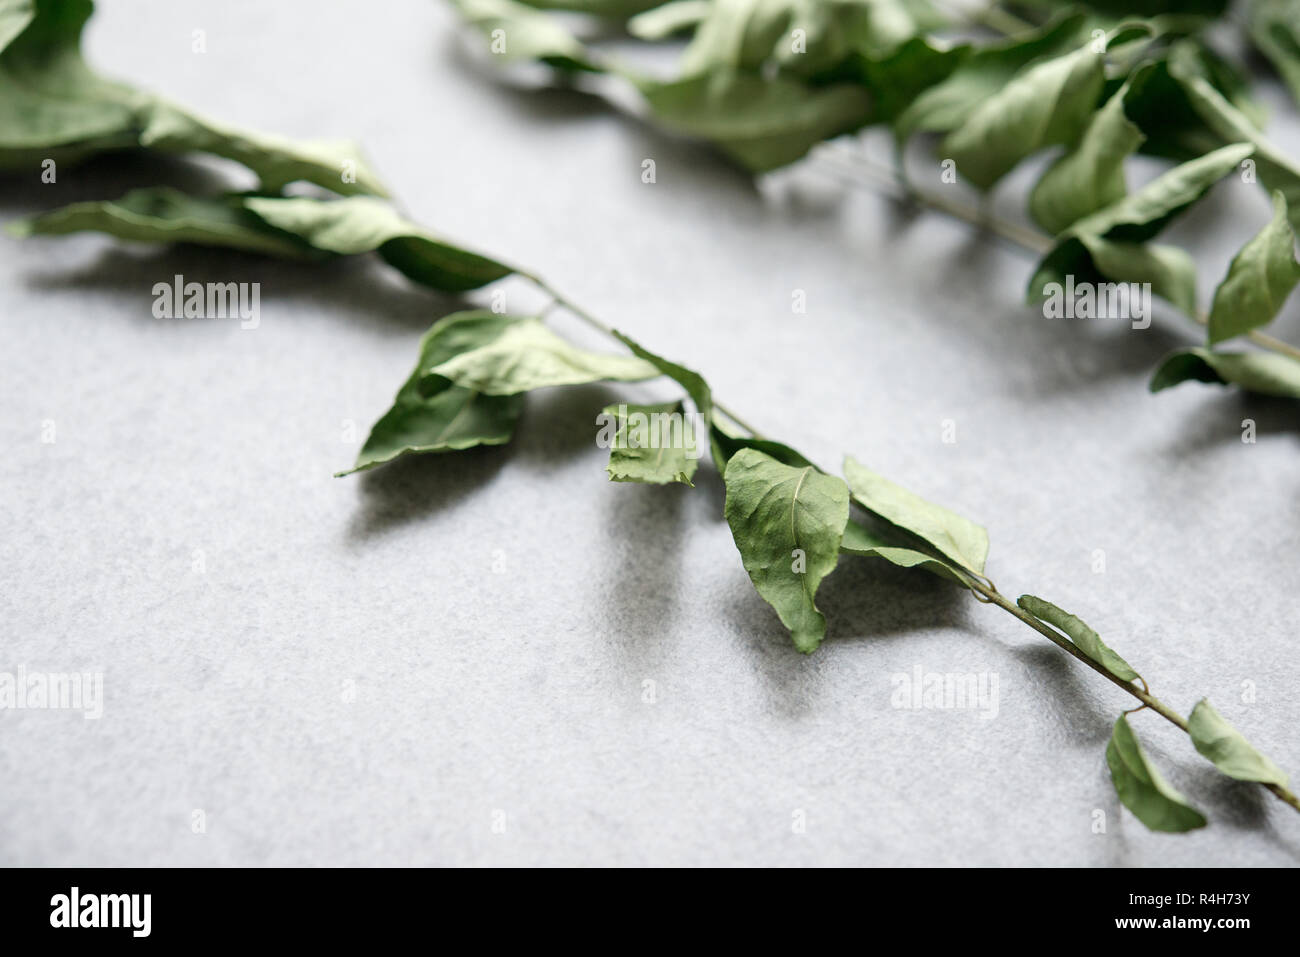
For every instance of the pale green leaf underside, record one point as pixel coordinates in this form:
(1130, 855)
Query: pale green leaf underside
(787, 522)
(947, 105)
(514, 31)
(1083, 637)
(1140, 215)
(1228, 750)
(956, 537)
(361, 224)
(661, 22)
(15, 15)
(762, 123)
(746, 35)
(861, 541)
(653, 444)
(336, 165)
(1049, 103)
(526, 355)
(1142, 789)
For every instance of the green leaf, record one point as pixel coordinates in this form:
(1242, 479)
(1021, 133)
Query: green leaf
(1264, 372)
(880, 27)
(1259, 279)
(946, 106)
(1084, 638)
(613, 9)
(653, 444)
(1049, 103)
(1091, 259)
(740, 35)
(52, 104)
(297, 228)
(1091, 175)
(361, 224)
(167, 215)
(513, 31)
(1141, 215)
(524, 355)
(433, 415)
(958, 538)
(861, 541)
(49, 99)
(1193, 55)
(336, 165)
(15, 15)
(1107, 244)
(1160, 107)
(1142, 789)
(787, 523)
(1229, 751)
(1274, 169)
(761, 123)
(1274, 27)
(744, 35)
(897, 77)
(662, 22)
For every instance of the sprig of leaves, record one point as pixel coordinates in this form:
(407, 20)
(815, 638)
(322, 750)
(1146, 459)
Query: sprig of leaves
(790, 519)
(767, 80)
(53, 106)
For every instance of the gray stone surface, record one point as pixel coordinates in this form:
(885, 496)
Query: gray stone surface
(499, 612)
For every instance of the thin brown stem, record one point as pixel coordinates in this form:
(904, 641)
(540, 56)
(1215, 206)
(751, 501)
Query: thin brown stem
(559, 299)
(992, 596)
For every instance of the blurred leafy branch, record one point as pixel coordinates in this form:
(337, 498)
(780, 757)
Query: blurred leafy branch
(767, 81)
(791, 520)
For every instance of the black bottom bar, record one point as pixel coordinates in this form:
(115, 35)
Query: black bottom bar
(338, 907)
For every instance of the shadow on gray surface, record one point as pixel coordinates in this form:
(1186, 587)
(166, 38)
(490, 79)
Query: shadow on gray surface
(414, 487)
(359, 289)
(641, 588)
(557, 425)
(109, 175)
(863, 600)
(1068, 700)
(545, 103)
(867, 599)
(1219, 416)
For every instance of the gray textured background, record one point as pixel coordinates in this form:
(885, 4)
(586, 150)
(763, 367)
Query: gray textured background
(500, 610)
